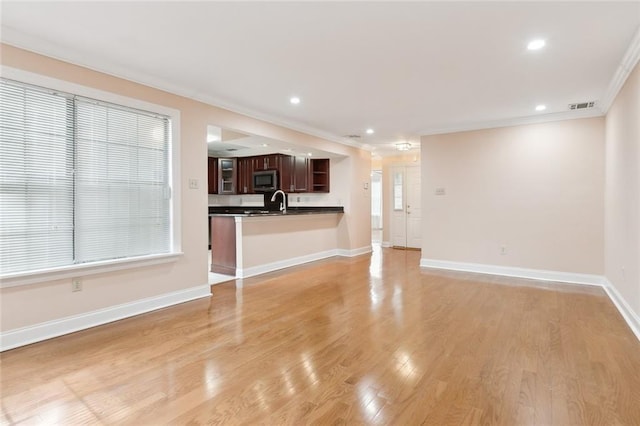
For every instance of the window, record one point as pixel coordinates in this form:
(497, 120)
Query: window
(81, 180)
(398, 189)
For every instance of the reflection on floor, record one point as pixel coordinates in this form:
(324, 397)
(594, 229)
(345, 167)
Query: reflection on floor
(376, 236)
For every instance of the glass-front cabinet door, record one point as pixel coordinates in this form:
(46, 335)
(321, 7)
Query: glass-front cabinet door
(227, 172)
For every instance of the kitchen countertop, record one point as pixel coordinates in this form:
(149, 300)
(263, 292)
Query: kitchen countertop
(262, 211)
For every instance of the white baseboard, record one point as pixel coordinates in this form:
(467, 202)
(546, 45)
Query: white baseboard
(281, 264)
(509, 271)
(386, 244)
(47, 330)
(354, 252)
(632, 319)
(287, 263)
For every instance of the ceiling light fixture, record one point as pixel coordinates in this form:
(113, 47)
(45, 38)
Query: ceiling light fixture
(370, 131)
(265, 145)
(403, 146)
(309, 154)
(536, 44)
(541, 107)
(294, 100)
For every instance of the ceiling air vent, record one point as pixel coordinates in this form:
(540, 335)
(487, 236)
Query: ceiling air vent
(352, 136)
(582, 105)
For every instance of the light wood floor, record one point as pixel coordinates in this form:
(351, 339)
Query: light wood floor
(368, 340)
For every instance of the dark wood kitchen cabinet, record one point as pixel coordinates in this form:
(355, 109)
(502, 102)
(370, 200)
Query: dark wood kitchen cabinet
(301, 173)
(267, 162)
(295, 173)
(227, 175)
(320, 176)
(246, 166)
(212, 174)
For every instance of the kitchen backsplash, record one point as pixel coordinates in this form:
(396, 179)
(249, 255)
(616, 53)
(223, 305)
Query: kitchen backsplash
(257, 200)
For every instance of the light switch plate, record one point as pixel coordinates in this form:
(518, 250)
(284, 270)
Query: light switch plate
(193, 183)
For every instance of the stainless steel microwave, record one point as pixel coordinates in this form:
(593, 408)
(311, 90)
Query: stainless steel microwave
(265, 180)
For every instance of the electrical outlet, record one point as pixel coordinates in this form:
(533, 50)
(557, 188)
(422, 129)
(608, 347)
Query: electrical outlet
(193, 183)
(503, 250)
(440, 191)
(76, 284)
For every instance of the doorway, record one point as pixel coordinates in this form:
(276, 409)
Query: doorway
(406, 231)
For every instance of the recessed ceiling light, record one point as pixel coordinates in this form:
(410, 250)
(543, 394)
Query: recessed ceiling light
(265, 144)
(309, 154)
(369, 131)
(294, 100)
(541, 107)
(536, 44)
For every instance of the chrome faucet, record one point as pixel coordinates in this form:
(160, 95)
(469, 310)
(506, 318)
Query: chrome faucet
(283, 204)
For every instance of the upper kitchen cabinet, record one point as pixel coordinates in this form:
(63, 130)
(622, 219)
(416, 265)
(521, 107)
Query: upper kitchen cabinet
(227, 175)
(212, 175)
(301, 172)
(320, 176)
(267, 162)
(295, 173)
(246, 166)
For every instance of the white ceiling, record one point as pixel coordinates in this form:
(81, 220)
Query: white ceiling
(404, 69)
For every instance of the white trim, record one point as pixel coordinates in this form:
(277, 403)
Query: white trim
(69, 271)
(386, 244)
(632, 319)
(23, 41)
(281, 264)
(628, 63)
(47, 330)
(596, 111)
(295, 261)
(84, 269)
(354, 252)
(508, 271)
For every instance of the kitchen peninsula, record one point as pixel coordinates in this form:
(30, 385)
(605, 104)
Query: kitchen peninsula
(247, 241)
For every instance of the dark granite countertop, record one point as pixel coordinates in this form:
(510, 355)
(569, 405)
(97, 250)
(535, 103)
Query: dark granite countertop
(262, 211)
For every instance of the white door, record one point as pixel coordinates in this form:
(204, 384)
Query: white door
(406, 214)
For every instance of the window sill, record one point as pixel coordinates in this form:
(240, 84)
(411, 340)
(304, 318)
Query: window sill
(52, 274)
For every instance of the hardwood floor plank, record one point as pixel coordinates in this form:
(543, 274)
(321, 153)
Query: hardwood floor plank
(366, 340)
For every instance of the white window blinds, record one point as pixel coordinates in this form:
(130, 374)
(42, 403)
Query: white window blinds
(80, 180)
(36, 179)
(122, 203)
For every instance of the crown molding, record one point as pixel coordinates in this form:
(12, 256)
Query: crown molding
(628, 63)
(516, 121)
(18, 39)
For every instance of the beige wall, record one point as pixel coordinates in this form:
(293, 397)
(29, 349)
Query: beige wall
(297, 236)
(622, 205)
(32, 304)
(536, 189)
